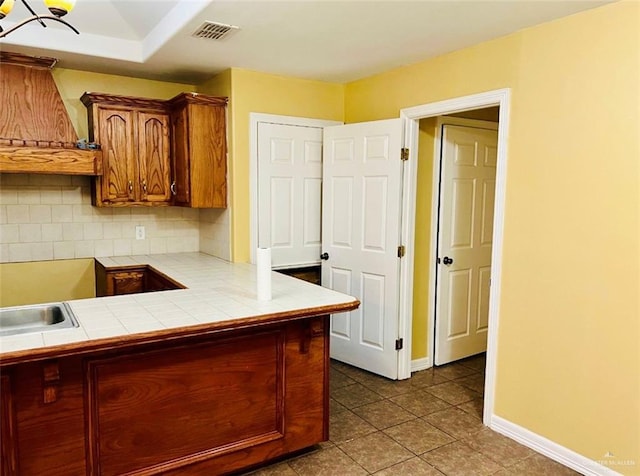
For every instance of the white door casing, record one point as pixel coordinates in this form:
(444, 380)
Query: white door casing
(467, 196)
(361, 210)
(289, 193)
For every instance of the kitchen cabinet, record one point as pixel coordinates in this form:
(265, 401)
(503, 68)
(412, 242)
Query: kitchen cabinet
(131, 280)
(209, 402)
(134, 137)
(199, 150)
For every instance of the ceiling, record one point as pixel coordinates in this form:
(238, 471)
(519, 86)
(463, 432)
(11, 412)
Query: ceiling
(337, 41)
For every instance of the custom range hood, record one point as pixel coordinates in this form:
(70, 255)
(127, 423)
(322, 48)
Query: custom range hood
(36, 134)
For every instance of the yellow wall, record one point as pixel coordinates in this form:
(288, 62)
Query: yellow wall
(72, 84)
(46, 281)
(422, 253)
(271, 94)
(568, 354)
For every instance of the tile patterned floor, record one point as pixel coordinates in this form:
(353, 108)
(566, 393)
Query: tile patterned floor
(427, 425)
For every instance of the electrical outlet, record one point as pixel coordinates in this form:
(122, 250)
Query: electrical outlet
(140, 232)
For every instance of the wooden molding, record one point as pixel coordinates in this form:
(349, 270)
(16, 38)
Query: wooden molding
(7, 57)
(127, 102)
(196, 98)
(50, 160)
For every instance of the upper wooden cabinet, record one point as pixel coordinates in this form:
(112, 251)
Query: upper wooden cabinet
(199, 150)
(159, 152)
(134, 136)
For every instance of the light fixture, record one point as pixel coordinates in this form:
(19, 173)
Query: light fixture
(58, 8)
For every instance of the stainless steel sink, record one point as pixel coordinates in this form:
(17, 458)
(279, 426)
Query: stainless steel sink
(36, 318)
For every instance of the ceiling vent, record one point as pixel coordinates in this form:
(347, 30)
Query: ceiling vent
(214, 31)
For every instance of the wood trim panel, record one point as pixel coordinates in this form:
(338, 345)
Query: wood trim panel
(49, 437)
(126, 102)
(50, 160)
(32, 108)
(165, 335)
(7, 57)
(8, 437)
(196, 98)
(177, 406)
(207, 404)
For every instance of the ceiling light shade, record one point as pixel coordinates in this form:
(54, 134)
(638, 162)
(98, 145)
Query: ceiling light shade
(60, 7)
(5, 7)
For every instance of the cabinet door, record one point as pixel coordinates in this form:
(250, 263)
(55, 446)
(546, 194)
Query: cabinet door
(180, 148)
(153, 157)
(127, 282)
(116, 131)
(208, 156)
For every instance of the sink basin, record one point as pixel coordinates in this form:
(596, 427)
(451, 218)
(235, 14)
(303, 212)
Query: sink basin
(36, 318)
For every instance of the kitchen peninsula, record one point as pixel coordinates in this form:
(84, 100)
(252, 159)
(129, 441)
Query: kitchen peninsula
(202, 380)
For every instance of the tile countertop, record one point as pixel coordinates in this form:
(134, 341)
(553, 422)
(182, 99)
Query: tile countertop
(218, 294)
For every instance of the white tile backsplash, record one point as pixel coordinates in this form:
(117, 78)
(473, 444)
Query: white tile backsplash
(52, 232)
(29, 196)
(17, 213)
(51, 217)
(40, 213)
(30, 233)
(64, 250)
(61, 213)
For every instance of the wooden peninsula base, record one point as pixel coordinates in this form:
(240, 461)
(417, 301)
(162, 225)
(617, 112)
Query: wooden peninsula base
(188, 404)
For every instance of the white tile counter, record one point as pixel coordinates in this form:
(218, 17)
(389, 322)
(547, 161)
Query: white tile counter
(218, 294)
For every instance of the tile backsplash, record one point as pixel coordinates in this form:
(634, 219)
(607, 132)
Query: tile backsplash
(46, 217)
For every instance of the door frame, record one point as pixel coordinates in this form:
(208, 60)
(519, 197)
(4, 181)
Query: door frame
(411, 117)
(254, 119)
(435, 214)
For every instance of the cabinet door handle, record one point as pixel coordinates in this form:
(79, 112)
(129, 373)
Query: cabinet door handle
(130, 186)
(173, 188)
(144, 186)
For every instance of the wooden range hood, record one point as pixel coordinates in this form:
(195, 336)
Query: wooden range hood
(36, 134)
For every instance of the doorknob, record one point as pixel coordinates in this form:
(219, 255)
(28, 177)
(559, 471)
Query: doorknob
(446, 260)
(324, 256)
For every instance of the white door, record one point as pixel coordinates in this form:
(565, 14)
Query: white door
(361, 208)
(289, 193)
(467, 190)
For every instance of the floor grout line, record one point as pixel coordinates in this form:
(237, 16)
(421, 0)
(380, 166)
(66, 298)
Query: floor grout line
(354, 379)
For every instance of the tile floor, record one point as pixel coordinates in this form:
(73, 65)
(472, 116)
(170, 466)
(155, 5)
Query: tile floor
(427, 425)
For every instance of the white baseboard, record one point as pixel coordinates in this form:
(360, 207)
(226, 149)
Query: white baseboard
(551, 449)
(421, 364)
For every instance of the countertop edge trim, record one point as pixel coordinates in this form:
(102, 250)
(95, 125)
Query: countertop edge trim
(113, 343)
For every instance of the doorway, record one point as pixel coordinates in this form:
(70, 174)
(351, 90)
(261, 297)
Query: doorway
(412, 117)
(466, 150)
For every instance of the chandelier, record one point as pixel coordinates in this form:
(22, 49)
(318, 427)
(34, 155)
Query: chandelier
(58, 9)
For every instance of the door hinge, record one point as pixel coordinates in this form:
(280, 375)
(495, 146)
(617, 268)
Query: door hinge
(401, 251)
(399, 343)
(404, 153)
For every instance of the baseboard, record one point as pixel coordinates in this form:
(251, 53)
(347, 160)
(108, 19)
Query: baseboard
(551, 449)
(421, 364)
